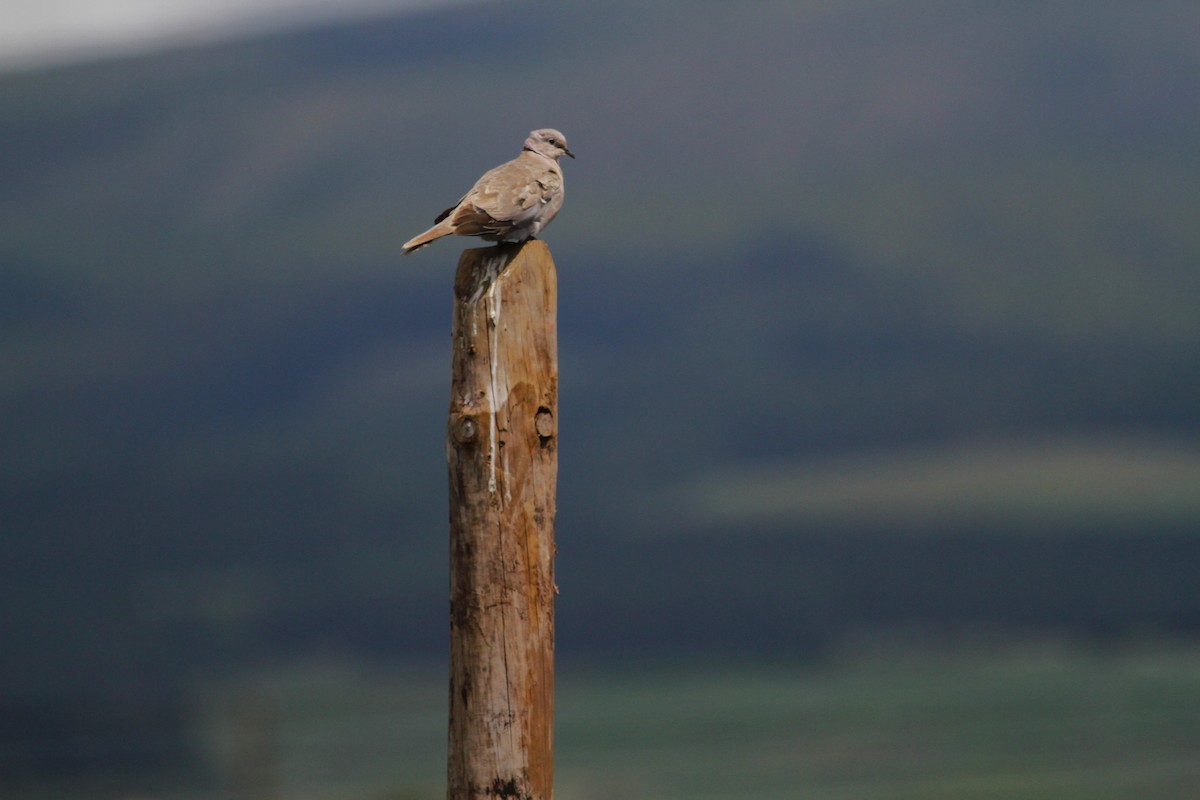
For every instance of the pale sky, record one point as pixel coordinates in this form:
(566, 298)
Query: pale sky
(41, 32)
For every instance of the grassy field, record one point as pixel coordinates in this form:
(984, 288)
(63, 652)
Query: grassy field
(1030, 721)
(1037, 724)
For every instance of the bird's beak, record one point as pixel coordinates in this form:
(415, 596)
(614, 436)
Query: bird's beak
(568, 152)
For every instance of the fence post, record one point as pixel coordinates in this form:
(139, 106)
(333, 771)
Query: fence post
(501, 451)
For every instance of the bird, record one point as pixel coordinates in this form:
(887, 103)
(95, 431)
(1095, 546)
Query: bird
(510, 203)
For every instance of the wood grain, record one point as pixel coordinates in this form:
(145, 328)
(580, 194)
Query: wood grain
(501, 450)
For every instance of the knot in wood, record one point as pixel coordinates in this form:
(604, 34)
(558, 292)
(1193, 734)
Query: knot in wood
(544, 424)
(466, 430)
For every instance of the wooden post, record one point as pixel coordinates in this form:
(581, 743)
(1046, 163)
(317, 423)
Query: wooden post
(502, 455)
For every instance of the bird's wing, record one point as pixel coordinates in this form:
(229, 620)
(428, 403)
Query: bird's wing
(448, 211)
(514, 193)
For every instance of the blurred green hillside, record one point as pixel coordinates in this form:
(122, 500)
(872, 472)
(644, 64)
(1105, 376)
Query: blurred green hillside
(873, 316)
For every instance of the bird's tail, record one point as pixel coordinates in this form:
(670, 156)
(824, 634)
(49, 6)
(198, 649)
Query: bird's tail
(420, 240)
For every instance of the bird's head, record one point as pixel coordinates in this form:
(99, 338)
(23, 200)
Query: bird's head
(549, 143)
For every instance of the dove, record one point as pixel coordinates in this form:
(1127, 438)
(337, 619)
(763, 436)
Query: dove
(510, 203)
